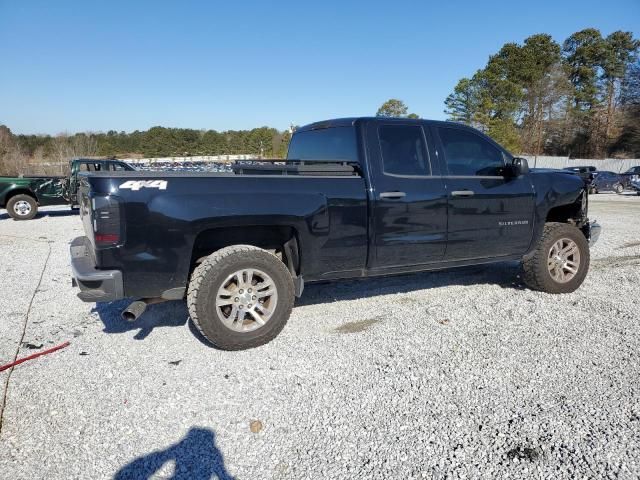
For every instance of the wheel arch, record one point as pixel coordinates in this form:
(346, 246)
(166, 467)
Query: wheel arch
(564, 213)
(17, 191)
(282, 240)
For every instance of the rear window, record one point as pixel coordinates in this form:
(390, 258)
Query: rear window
(118, 167)
(328, 144)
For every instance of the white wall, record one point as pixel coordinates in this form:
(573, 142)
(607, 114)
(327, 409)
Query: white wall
(610, 164)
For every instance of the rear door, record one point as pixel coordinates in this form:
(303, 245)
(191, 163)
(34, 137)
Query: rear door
(409, 204)
(489, 214)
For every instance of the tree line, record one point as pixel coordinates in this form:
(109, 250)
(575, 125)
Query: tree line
(580, 98)
(26, 154)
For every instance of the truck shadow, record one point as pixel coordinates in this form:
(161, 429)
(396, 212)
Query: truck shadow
(168, 314)
(505, 275)
(175, 313)
(195, 457)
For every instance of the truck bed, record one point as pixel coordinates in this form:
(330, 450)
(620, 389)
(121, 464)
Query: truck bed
(262, 167)
(165, 215)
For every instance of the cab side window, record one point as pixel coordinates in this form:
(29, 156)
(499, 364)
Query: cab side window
(468, 154)
(403, 150)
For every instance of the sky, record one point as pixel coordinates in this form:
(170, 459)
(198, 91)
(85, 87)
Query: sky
(129, 65)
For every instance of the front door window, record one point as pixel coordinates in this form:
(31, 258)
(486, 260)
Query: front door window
(468, 154)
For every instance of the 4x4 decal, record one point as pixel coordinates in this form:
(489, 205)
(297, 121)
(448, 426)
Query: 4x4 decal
(138, 184)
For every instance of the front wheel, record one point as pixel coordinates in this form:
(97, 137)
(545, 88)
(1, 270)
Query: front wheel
(560, 262)
(618, 188)
(240, 297)
(22, 207)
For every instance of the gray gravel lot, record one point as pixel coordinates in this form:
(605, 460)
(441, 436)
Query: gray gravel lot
(459, 374)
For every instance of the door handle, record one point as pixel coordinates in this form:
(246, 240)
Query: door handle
(463, 193)
(393, 195)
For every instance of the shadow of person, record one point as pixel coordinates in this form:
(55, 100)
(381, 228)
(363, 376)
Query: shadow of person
(196, 457)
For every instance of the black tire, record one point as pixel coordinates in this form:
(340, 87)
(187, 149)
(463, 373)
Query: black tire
(618, 188)
(17, 213)
(536, 272)
(210, 275)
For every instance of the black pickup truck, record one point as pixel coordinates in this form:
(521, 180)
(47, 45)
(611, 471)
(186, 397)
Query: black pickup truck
(356, 197)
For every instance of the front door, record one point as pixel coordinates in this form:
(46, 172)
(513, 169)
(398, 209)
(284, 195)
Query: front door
(490, 214)
(409, 219)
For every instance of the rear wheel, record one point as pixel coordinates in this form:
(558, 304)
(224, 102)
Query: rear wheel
(22, 207)
(618, 188)
(240, 297)
(560, 262)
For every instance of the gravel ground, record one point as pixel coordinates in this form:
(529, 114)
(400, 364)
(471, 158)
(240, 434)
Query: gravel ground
(459, 374)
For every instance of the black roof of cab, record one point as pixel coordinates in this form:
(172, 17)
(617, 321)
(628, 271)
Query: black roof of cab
(351, 121)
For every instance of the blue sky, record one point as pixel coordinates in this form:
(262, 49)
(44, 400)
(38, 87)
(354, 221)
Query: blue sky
(127, 65)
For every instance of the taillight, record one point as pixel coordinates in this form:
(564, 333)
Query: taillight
(107, 227)
(107, 238)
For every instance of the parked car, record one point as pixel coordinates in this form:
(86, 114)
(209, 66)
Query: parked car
(605, 181)
(631, 179)
(587, 173)
(22, 196)
(358, 197)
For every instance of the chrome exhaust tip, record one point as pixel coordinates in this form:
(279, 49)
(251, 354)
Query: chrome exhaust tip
(134, 310)
(137, 308)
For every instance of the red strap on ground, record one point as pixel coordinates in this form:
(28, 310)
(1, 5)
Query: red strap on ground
(35, 355)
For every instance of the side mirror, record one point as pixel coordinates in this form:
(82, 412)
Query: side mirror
(519, 166)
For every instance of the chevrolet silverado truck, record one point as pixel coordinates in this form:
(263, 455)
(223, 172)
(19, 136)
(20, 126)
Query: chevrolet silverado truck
(356, 197)
(21, 196)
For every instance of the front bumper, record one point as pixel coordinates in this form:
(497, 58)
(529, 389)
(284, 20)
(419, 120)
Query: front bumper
(592, 231)
(95, 285)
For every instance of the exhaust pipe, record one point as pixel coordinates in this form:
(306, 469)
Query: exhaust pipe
(137, 308)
